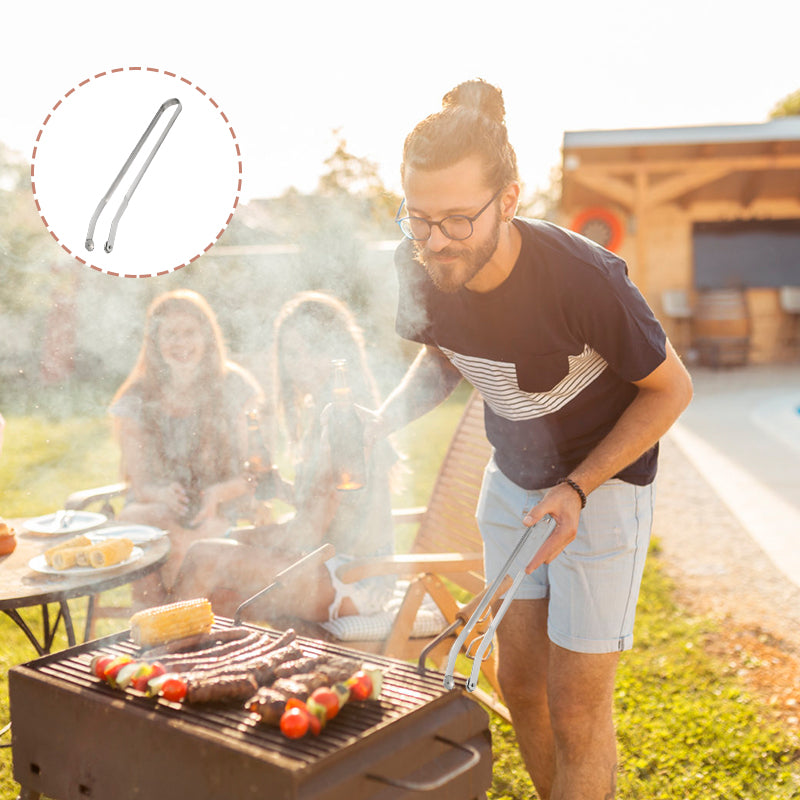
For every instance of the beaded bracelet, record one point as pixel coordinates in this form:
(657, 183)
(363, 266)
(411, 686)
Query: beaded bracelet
(577, 488)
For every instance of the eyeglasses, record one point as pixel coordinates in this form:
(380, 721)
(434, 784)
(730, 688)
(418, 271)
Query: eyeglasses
(457, 226)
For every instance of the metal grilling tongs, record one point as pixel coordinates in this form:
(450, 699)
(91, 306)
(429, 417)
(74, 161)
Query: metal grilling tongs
(109, 246)
(508, 580)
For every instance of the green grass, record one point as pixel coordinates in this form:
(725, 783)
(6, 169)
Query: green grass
(44, 460)
(687, 729)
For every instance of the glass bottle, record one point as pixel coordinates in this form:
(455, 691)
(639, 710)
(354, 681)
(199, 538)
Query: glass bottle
(346, 434)
(258, 468)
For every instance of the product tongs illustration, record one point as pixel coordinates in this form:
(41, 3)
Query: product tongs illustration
(109, 246)
(475, 612)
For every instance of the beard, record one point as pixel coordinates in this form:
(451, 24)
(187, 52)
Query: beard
(452, 276)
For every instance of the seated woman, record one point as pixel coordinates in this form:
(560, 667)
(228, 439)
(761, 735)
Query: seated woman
(182, 429)
(311, 331)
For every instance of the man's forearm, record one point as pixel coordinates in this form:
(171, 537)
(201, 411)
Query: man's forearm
(430, 379)
(642, 424)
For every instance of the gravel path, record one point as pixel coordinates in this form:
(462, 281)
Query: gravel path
(718, 568)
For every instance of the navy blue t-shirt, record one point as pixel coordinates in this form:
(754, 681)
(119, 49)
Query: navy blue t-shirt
(553, 350)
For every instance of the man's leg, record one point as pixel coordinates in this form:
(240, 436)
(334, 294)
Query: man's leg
(580, 693)
(522, 669)
(561, 707)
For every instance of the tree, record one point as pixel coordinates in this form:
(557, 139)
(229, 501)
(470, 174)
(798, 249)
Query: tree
(356, 182)
(789, 106)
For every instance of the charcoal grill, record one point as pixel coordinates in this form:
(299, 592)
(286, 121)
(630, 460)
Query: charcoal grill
(73, 738)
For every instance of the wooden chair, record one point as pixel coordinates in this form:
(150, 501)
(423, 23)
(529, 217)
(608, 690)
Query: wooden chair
(445, 560)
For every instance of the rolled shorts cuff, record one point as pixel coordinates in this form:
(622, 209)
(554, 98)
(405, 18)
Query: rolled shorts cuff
(591, 646)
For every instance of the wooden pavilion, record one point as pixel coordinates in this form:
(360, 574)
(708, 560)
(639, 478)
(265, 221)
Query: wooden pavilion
(708, 220)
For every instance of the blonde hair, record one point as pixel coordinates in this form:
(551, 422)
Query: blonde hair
(215, 440)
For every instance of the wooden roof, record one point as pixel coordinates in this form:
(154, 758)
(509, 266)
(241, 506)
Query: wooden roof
(638, 168)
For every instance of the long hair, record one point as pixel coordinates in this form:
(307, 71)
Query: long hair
(214, 440)
(331, 329)
(151, 371)
(470, 123)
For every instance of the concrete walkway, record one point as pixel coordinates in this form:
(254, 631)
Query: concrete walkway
(742, 434)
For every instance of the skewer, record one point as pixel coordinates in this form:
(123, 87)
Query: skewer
(109, 245)
(318, 556)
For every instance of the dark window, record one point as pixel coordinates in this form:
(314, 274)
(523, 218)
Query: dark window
(746, 254)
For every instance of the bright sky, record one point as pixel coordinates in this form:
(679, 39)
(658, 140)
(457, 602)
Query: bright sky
(287, 73)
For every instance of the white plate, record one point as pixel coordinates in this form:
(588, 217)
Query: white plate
(39, 564)
(138, 534)
(80, 521)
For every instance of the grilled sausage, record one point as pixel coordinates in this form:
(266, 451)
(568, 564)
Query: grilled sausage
(337, 668)
(262, 645)
(201, 645)
(300, 686)
(262, 667)
(221, 690)
(298, 666)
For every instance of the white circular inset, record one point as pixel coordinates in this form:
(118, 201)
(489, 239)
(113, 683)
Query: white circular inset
(185, 196)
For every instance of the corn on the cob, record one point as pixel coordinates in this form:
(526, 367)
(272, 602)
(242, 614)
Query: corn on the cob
(67, 557)
(162, 624)
(74, 542)
(106, 554)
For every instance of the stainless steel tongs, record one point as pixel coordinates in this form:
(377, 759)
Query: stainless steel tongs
(513, 571)
(109, 246)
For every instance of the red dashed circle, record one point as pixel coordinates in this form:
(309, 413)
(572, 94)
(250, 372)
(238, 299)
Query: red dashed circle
(218, 110)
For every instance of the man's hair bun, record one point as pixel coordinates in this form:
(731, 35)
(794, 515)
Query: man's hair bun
(480, 96)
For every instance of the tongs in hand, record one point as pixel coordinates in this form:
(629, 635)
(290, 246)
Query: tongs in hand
(529, 543)
(315, 557)
(125, 167)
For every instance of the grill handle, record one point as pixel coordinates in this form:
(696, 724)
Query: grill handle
(436, 783)
(318, 556)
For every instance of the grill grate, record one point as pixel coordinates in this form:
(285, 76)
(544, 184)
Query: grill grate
(404, 691)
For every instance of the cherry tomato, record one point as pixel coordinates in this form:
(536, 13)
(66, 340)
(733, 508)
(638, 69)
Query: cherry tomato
(295, 723)
(360, 685)
(99, 664)
(173, 689)
(328, 699)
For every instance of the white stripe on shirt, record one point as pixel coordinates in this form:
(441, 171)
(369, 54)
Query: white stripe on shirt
(497, 382)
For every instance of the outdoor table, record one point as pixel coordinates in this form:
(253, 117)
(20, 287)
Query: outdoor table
(23, 587)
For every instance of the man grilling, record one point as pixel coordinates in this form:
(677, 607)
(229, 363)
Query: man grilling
(579, 383)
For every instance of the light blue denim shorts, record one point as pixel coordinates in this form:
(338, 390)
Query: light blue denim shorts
(593, 584)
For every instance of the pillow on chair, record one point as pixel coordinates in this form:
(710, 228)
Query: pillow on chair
(374, 627)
